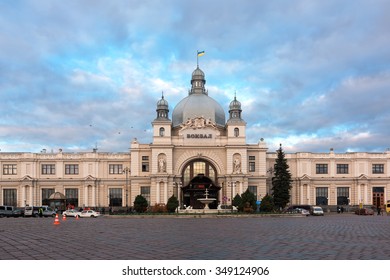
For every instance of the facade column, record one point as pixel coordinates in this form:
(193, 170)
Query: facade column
(85, 196)
(31, 201)
(220, 194)
(94, 196)
(165, 192)
(359, 195)
(179, 195)
(157, 192)
(234, 190)
(241, 184)
(24, 202)
(300, 194)
(365, 194)
(308, 194)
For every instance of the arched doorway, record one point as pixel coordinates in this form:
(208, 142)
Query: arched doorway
(199, 175)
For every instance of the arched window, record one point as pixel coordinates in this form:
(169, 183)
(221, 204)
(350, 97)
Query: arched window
(194, 168)
(236, 132)
(162, 131)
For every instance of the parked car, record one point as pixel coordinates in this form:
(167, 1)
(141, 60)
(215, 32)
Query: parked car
(317, 211)
(48, 212)
(18, 212)
(290, 209)
(89, 214)
(71, 213)
(364, 211)
(302, 211)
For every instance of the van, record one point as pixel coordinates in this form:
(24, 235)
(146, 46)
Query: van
(31, 211)
(9, 211)
(387, 207)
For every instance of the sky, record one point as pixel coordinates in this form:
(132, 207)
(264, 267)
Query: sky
(310, 75)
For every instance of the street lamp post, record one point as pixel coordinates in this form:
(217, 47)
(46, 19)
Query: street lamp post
(126, 170)
(231, 184)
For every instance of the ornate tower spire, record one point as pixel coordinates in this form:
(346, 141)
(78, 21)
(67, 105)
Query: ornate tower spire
(235, 109)
(162, 108)
(198, 81)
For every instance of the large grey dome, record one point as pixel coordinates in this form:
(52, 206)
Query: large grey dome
(198, 103)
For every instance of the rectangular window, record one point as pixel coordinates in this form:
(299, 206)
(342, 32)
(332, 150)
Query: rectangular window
(321, 169)
(48, 169)
(115, 168)
(71, 169)
(322, 196)
(72, 198)
(10, 197)
(145, 164)
(46, 193)
(342, 168)
(252, 166)
(252, 163)
(9, 169)
(115, 197)
(253, 189)
(145, 192)
(378, 168)
(342, 195)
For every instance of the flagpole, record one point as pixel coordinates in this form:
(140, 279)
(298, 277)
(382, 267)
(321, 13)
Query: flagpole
(197, 59)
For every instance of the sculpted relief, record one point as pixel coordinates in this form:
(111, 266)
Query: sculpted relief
(197, 122)
(237, 164)
(162, 164)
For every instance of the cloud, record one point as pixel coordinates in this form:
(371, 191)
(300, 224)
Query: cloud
(310, 75)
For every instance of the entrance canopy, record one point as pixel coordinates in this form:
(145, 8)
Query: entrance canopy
(57, 201)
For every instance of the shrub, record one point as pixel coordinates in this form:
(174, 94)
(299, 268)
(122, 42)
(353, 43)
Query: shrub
(159, 208)
(172, 204)
(248, 201)
(267, 204)
(140, 204)
(237, 201)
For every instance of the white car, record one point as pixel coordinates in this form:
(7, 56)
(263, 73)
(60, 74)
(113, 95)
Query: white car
(317, 211)
(71, 213)
(89, 214)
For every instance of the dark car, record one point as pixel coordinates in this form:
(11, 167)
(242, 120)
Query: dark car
(364, 211)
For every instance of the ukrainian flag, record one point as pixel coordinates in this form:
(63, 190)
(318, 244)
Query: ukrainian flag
(200, 53)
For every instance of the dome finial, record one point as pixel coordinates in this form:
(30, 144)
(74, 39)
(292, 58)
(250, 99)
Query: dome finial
(162, 94)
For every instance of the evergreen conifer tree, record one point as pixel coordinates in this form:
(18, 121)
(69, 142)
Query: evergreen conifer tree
(281, 181)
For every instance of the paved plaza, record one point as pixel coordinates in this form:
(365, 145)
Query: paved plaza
(332, 237)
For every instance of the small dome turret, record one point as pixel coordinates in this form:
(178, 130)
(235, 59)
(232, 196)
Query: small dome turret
(162, 103)
(235, 104)
(162, 109)
(235, 110)
(198, 81)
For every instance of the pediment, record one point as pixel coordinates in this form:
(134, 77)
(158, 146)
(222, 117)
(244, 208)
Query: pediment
(89, 178)
(27, 178)
(363, 177)
(305, 177)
